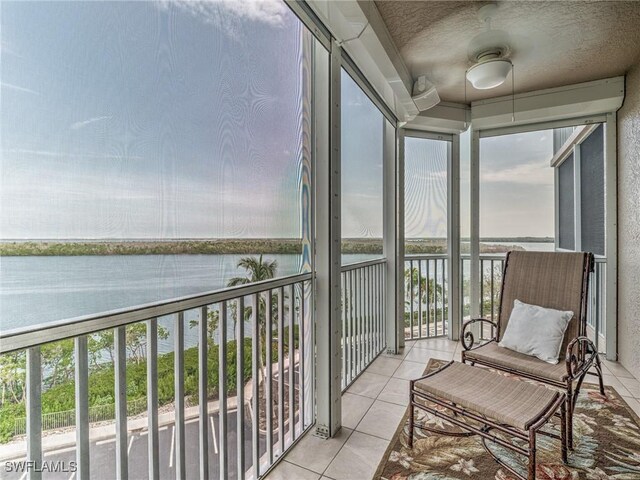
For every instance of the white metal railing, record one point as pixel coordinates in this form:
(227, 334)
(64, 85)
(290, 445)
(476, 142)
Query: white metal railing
(273, 402)
(426, 296)
(363, 316)
(596, 308)
(491, 269)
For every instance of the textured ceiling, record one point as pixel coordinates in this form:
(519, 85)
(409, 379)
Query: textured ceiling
(552, 43)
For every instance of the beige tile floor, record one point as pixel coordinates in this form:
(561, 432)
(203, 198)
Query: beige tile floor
(373, 407)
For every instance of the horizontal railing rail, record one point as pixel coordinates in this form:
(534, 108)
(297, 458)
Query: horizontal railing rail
(246, 374)
(363, 316)
(362, 264)
(58, 330)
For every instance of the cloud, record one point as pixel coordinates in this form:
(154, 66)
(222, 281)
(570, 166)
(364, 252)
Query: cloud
(18, 89)
(84, 123)
(535, 173)
(54, 154)
(225, 14)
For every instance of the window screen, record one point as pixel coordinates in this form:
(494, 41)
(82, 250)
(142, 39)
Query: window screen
(566, 207)
(592, 192)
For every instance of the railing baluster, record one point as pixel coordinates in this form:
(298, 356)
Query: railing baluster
(301, 368)
(281, 376)
(343, 292)
(370, 313)
(492, 294)
(240, 389)
(292, 359)
(445, 296)
(363, 314)
(34, 411)
(357, 326)
(152, 398)
(429, 315)
(222, 391)
(376, 303)
(255, 355)
(352, 327)
(122, 467)
(367, 317)
(411, 297)
(203, 387)
(420, 334)
(482, 290)
(436, 301)
(178, 376)
(347, 331)
(268, 376)
(82, 408)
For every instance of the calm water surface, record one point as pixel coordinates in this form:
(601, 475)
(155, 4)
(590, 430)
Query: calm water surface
(36, 290)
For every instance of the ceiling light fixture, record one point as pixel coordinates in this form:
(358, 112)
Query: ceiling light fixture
(489, 51)
(491, 71)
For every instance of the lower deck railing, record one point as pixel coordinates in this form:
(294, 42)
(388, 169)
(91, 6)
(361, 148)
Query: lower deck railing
(226, 381)
(363, 316)
(491, 269)
(426, 312)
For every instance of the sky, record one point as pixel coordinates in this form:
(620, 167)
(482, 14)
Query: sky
(140, 119)
(183, 119)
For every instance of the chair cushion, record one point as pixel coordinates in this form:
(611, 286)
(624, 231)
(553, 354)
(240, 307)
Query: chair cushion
(503, 358)
(499, 398)
(535, 330)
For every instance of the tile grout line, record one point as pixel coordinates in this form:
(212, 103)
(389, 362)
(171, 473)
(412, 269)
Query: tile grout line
(365, 413)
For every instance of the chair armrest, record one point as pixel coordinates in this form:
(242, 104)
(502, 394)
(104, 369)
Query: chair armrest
(581, 352)
(467, 337)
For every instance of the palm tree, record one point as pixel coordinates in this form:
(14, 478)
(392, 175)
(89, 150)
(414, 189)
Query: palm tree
(423, 293)
(257, 270)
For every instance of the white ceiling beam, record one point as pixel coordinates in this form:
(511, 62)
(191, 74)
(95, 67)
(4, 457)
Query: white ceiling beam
(553, 104)
(358, 26)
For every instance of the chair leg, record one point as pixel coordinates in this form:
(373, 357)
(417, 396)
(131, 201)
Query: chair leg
(569, 416)
(411, 409)
(563, 431)
(598, 366)
(532, 455)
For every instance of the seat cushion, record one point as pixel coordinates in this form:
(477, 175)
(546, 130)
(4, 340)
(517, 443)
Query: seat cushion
(499, 398)
(503, 358)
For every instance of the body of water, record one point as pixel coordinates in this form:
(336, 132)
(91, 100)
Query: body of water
(41, 289)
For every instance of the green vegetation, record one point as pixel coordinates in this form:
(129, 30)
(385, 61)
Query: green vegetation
(226, 246)
(134, 247)
(60, 396)
(58, 393)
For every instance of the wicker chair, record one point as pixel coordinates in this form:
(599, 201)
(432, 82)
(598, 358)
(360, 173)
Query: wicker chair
(556, 280)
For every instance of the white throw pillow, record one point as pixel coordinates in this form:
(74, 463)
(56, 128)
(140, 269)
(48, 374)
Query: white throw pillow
(536, 331)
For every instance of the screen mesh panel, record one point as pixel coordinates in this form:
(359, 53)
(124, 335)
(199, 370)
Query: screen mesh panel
(566, 207)
(592, 192)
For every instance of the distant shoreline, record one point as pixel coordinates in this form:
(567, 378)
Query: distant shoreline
(245, 246)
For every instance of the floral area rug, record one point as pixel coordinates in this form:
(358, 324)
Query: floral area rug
(606, 446)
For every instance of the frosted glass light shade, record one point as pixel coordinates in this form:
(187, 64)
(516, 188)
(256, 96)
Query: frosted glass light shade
(489, 74)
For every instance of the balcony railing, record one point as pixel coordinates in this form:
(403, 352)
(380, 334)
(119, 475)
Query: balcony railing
(491, 269)
(363, 316)
(426, 296)
(251, 395)
(426, 313)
